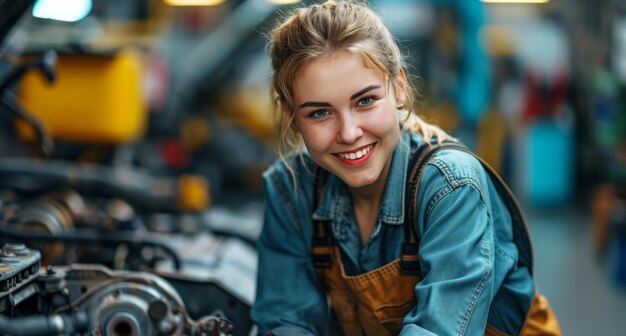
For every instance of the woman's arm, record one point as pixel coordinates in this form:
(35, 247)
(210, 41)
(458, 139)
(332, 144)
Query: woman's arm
(456, 254)
(288, 299)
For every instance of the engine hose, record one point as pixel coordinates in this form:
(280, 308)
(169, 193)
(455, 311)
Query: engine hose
(45, 325)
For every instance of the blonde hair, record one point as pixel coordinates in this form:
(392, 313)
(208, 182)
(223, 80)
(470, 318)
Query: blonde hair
(327, 28)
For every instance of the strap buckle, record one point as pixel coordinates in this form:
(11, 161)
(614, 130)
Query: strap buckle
(322, 252)
(410, 260)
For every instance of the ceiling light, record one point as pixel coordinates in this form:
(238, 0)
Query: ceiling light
(62, 10)
(516, 1)
(283, 2)
(194, 2)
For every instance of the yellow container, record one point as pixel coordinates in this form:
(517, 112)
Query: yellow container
(95, 99)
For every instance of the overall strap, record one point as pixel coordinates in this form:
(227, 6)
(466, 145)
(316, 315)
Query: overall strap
(420, 158)
(322, 236)
(409, 258)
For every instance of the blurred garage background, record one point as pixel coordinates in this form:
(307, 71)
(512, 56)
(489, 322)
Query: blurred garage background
(152, 119)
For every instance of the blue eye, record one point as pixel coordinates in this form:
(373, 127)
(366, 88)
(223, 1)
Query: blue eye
(366, 101)
(318, 114)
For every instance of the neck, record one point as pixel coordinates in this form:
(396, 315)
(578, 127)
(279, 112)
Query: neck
(366, 202)
(371, 195)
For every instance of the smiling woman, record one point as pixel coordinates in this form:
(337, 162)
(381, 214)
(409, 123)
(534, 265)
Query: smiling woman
(343, 110)
(395, 224)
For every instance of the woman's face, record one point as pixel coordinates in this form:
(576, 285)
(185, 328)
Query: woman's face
(347, 118)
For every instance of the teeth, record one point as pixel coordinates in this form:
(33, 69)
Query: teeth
(356, 155)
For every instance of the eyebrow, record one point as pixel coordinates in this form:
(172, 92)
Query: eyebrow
(325, 104)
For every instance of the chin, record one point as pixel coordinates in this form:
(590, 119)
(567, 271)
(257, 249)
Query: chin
(360, 181)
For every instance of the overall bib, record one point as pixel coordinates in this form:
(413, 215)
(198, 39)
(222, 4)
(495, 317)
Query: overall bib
(375, 303)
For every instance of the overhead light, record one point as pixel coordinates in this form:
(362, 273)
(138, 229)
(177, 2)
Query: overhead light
(62, 10)
(194, 2)
(283, 2)
(516, 1)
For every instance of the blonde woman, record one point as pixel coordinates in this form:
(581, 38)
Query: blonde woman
(355, 227)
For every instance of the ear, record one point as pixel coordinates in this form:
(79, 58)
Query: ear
(401, 87)
(402, 75)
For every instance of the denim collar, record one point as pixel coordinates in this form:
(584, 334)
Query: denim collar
(334, 195)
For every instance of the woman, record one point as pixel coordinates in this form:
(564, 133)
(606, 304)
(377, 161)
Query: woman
(346, 229)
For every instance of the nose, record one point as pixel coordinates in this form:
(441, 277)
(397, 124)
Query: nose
(349, 129)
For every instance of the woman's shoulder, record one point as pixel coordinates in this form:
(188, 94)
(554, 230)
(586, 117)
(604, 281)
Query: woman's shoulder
(452, 168)
(458, 165)
(450, 177)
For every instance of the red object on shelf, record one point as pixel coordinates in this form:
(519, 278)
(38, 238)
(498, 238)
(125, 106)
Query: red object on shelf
(544, 96)
(174, 153)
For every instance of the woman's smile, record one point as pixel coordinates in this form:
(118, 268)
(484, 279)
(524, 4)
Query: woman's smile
(356, 157)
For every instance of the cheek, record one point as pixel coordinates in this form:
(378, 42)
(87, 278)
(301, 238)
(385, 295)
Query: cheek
(384, 122)
(316, 138)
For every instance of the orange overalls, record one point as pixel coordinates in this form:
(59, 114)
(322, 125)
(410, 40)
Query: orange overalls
(376, 302)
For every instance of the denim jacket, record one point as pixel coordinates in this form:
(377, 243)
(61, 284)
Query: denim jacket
(468, 258)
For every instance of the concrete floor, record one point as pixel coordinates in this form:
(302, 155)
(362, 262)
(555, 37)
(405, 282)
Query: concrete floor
(578, 284)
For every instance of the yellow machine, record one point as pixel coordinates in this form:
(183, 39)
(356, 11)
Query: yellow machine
(95, 99)
(98, 99)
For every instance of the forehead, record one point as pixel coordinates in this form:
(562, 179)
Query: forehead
(334, 76)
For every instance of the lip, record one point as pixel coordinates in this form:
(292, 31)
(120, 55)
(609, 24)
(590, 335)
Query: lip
(357, 162)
